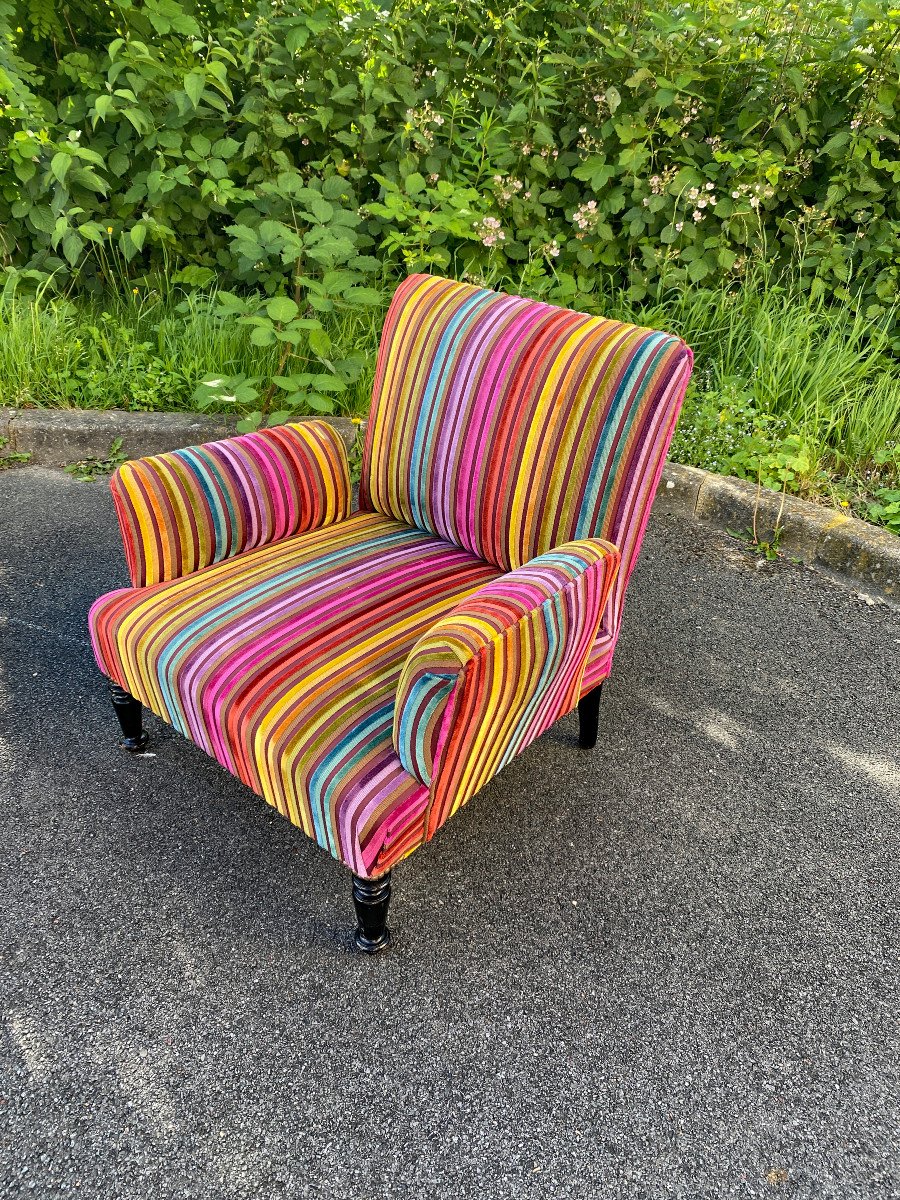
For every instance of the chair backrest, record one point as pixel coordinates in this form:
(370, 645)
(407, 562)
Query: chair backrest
(508, 426)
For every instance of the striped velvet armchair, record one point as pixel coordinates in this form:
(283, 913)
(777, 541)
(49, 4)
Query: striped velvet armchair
(367, 673)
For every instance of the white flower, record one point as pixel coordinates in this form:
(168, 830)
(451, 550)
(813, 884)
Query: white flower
(586, 217)
(489, 231)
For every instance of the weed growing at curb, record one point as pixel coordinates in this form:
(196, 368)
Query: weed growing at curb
(770, 550)
(90, 468)
(13, 457)
(885, 509)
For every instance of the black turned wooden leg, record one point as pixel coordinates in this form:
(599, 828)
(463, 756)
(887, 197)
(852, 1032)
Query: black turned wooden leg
(370, 899)
(129, 711)
(589, 718)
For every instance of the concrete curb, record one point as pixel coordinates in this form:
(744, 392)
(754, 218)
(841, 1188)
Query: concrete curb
(851, 551)
(57, 437)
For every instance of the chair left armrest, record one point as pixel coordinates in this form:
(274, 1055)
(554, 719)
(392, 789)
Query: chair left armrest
(184, 510)
(492, 675)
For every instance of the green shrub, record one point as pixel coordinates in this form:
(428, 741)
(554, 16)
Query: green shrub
(208, 204)
(160, 351)
(273, 149)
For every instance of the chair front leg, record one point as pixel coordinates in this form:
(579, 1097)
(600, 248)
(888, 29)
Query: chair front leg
(589, 718)
(130, 714)
(370, 899)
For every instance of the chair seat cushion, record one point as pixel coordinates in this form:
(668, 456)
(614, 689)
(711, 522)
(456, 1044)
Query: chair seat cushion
(283, 662)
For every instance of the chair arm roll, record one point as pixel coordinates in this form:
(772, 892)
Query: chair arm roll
(186, 509)
(493, 674)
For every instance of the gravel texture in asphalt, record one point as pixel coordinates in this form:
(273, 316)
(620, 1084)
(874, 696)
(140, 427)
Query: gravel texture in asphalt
(667, 967)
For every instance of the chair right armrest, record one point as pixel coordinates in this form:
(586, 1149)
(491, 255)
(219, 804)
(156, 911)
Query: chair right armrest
(495, 672)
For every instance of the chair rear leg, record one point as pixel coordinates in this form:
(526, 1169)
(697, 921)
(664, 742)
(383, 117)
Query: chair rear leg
(589, 718)
(370, 899)
(130, 714)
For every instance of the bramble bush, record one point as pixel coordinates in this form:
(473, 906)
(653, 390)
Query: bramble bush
(296, 150)
(292, 161)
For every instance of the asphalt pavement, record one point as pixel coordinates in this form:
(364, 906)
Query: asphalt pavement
(664, 968)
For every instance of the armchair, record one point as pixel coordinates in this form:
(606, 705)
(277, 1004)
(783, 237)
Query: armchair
(368, 673)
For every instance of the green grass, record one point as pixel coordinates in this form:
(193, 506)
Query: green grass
(791, 392)
(770, 356)
(144, 351)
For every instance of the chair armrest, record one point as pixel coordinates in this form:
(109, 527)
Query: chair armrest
(189, 508)
(492, 675)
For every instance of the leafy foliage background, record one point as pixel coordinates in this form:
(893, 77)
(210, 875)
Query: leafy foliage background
(208, 203)
(298, 147)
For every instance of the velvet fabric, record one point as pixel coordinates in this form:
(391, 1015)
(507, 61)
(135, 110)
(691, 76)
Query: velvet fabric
(368, 674)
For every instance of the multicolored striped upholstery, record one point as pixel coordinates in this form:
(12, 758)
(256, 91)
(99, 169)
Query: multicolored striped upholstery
(283, 663)
(367, 674)
(182, 511)
(492, 675)
(508, 427)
